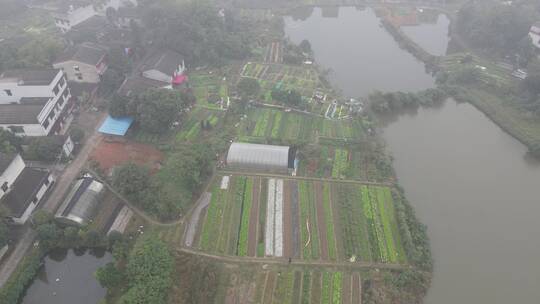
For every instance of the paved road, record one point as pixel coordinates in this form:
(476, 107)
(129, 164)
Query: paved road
(194, 219)
(51, 204)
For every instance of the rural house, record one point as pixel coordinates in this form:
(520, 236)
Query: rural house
(83, 63)
(21, 187)
(34, 102)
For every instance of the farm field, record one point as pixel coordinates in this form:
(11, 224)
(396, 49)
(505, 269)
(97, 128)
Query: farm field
(301, 219)
(303, 79)
(210, 89)
(191, 128)
(264, 125)
(205, 281)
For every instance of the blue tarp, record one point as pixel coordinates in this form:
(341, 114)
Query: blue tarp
(116, 125)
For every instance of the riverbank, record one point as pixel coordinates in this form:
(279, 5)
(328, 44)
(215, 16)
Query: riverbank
(503, 111)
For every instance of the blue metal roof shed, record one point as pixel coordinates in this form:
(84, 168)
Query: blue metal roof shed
(116, 125)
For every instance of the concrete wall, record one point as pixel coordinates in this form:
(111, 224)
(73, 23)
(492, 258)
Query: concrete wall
(11, 173)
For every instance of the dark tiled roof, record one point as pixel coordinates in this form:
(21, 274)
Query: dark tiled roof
(138, 84)
(88, 53)
(165, 61)
(32, 77)
(5, 160)
(24, 190)
(19, 113)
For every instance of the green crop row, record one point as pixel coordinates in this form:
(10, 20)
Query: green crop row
(238, 201)
(262, 123)
(284, 288)
(276, 127)
(304, 217)
(387, 226)
(246, 212)
(336, 290)
(340, 163)
(211, 225)
(326, 292)
(329, 222)
(306, 286)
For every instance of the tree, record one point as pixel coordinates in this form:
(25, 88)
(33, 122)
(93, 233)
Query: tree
(44, 149)
(9, 142)
(4, 230)
(149, 270)
(289, 97)
(158, 108)
(76, 133)
(132, 181)
(49, 234)
(119, 106)
(109, 276)
(305, 46)
(110, 82)
(248, 87)
(42, 217)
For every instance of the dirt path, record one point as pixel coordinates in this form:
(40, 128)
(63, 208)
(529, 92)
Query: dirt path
(295, 262)
(194, 220)
(346, 290)
(356, 289)
(321, 223)
(254, 218)
(287, 221)
(269, 288)
(308, 178)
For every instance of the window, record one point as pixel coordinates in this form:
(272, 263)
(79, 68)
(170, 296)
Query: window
(79, 76)
(8, 92)
(46, 182)
(76, 68)
(46, 123)
(56, 90)
(34, 200)
(51, 115)
(5, 187)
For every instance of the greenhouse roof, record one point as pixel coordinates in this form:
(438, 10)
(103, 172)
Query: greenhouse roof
(258, 155)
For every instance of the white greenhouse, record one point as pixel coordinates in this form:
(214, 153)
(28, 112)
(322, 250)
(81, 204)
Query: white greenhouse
(256, 157)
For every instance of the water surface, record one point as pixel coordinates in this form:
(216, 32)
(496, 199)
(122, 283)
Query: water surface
(362, 55)
(478, 192)
(76, 283)
(432, 37)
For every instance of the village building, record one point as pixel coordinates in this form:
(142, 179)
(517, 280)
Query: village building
(21, 188)
(34, 102)
(83, 63)
(82, 201)
(78, 12)
(265, 158)
(534, 33)
(161, 69)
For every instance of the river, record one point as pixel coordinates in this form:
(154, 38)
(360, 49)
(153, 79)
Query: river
(76, 283)
(471, 183)
(362, 55)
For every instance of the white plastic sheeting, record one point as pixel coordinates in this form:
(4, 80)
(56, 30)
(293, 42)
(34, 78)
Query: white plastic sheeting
(270, 218)
(258, 157)
(278, 234)
(274, 219)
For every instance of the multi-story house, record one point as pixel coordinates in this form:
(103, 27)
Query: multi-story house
(34, 102)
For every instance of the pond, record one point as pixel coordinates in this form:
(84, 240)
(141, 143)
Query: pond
(363, 57)
(471, 183)
(432, 37)
(67, 276)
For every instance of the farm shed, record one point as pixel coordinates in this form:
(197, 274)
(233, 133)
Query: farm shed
(244, 156)
(81, 203)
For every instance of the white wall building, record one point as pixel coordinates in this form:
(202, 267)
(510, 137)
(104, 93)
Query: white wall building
(22, 188)
(33, 102)
(534, 33)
